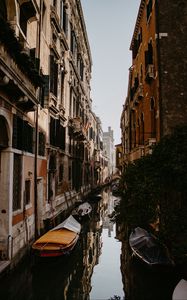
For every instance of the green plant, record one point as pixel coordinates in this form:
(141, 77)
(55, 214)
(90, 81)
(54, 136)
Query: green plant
(154, 188)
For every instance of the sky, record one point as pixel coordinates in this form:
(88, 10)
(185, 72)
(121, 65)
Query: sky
(110, 26)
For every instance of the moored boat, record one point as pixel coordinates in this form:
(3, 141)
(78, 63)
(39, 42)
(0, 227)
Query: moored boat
(82, 210)
(147, 248)
(58, 241)
(180, 291)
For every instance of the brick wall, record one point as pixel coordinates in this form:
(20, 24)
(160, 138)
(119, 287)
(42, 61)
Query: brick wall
(172, 20)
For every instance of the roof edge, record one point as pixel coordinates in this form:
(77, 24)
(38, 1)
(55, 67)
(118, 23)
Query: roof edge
(141, 7)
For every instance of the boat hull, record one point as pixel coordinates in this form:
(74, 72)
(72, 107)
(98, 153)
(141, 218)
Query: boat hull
(148, 249)
(59, 240)
(55, 253)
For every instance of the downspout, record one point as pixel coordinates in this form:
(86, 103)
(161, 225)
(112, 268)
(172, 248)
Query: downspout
(159, 65)
(160, 102)
(36, 128)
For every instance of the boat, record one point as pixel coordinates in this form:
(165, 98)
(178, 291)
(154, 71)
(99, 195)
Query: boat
(58, 241)
(148, 248)
(180, 291)
(82, 210)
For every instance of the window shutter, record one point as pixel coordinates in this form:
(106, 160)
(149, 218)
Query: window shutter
(44, 91)
(51, 73)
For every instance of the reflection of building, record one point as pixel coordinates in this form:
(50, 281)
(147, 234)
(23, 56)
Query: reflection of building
(91, 250)
(109, 208)
(157, 92)
(108, 145)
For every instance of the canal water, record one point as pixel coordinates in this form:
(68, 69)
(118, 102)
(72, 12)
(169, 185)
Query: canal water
(99, 268)
(90, 272)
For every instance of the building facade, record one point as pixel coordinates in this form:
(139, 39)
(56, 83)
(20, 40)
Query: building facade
(45, 117)
(157, 93)
(119, 158)
(108, 145)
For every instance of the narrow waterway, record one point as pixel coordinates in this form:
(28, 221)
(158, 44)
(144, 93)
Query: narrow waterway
(90, 272)
(106, 279)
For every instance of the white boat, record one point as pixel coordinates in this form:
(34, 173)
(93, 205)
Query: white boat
(82, 210)
(180, 291)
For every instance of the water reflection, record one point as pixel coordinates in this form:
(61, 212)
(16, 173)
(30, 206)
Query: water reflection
(143, 282)
(68, 277)
(106, 280)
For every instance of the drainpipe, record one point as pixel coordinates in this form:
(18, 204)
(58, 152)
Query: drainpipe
(157, 15)
(159, 65)
(36, 129)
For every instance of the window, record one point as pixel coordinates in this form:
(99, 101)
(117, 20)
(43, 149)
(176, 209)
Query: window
(62, 14)
(153, 117)
(62, 85)
(137, 43)
(44, 91)
(27, 191)
(57, 133)
(3, 133)
(53, 75)
(54, 3)
(23, 20)
(54, 38)
(17, 168)
(142, 129)
(80, 67)
(73, 46)
(149, 9)
(141, 74)
(22, 138)
(149, 55)
(26, 10)
(41, 144)
(61, 173)
(3, 9)
(69, 174)
(17, 136)
(64, 18)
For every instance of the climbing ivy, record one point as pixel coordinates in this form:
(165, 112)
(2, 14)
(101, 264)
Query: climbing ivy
(154, 187)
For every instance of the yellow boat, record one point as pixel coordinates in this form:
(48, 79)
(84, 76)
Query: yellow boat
(59, 240)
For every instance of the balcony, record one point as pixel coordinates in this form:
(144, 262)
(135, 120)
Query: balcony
(18, 88)
(77, 127)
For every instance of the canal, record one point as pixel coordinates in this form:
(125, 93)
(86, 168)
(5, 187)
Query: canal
(90, 272)
(99, 268)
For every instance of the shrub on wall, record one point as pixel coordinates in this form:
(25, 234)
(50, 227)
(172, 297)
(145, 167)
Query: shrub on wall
(154, 187)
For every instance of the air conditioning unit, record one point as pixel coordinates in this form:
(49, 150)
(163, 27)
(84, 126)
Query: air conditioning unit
(140, 91)
(151, 142)
(150, 71)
